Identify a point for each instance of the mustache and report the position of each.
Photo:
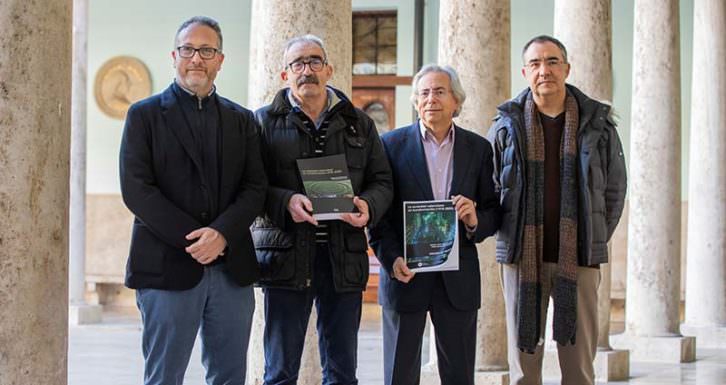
(308, 79)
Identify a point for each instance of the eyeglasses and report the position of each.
(316, 64)
(205, 53)
(536, 64)
(436, 93)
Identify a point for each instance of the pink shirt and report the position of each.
(439, 160)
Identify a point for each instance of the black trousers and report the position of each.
(455, 332)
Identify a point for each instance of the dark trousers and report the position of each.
(455, 332)
(286, 318)
(217, 309)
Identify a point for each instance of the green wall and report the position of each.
(146, 29)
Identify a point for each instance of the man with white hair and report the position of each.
(434, 159)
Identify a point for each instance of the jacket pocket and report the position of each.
(147, 251)
(355, 152)
(355, 264)
(275, 253)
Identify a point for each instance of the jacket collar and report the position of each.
(417, 159)
(281, 104)
(588, 107)
(173, 115)
(462, 159)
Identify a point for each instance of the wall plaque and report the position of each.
(120, 82)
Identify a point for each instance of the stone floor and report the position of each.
(109, 354)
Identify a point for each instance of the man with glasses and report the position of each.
(305, 261)
(434, 159)
(560, 172)
(192, 175)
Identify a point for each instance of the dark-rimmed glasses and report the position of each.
(316, 65)
(205, 53)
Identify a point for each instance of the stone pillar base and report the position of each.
(612, 365)
(676, 349)
(609, 365)
(430, 376)
(707, 336)
(84, 314)
(494, 377)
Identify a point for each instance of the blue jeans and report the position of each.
(171, 320)
(286, 318)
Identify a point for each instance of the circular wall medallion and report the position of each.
(121, 81)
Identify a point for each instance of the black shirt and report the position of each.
(202, 117)
(552, 130)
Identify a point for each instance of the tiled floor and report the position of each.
(110, 354)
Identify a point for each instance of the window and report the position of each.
(374, 43)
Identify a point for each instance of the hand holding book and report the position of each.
(401, 271)
(465, 210)
(300, 208)
(359, 219)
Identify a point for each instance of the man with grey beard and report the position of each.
(191, 174)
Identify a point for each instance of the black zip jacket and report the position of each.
(285, 249)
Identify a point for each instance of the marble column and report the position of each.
(584, 27)
(653, 283)
(35, 106)
(273, 23)
(474, 38)
(80, 312)
(706, 262)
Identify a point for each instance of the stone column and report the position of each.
(35, 105)
(273, 23)
(584, 27)
(474, 38)
(705, 279)
(653, 288)
(79, 312)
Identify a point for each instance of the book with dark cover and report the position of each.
(431, 236)
(327, 185)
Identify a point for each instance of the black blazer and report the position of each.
(163, 185)
(473, 179)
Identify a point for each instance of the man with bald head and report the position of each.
(304, 260)
(192, 176)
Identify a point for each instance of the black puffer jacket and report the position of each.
(286, 249)
(601, 177)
